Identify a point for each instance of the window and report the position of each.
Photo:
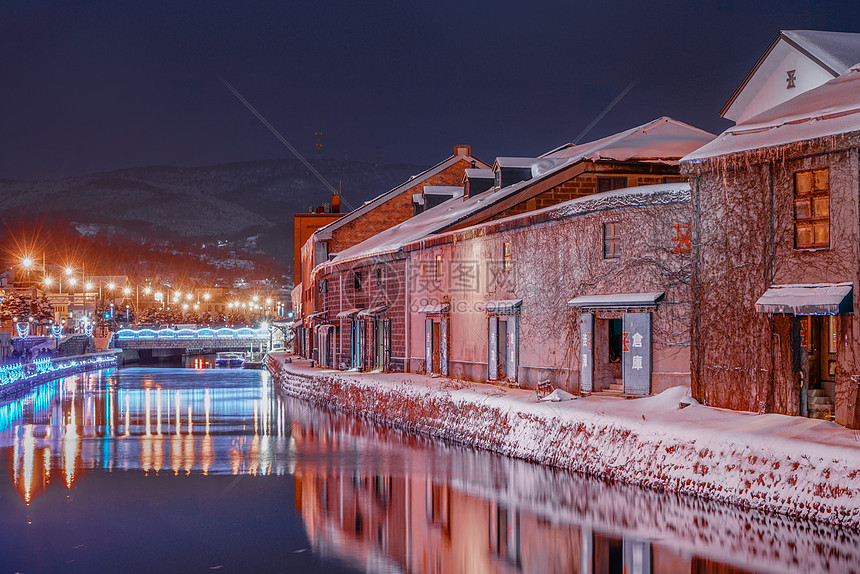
(438, 268)
(610, 183)
(611, 240)
(379, 277)
(812, 209)
(356, 280)
(506, 256)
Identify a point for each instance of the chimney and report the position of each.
(462, 150)
(335, 203)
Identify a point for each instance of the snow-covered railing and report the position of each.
(16, 372)
(192, 334)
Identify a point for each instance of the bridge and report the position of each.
(172, 342)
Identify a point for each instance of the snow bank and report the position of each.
(798, 467)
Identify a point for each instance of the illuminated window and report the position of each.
(438, 268)
(506, 256)
(812, 209)
(611, 240)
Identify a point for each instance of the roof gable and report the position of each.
(795, 62)
(830, 109)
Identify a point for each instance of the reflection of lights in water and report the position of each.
(206, 453)
(16, 464)
(70, 450)
(254, 456)
(175, 453)
(46, 460)
(79, 418)
(127, 416)
(29, 455)
(188, 448)
(206, 405)
(235, 460)
(146, 393)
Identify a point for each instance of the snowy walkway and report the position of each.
(795, 466)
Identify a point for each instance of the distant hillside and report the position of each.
(227, 201)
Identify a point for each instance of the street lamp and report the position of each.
(87, 288)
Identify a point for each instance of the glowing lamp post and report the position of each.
(27, 263)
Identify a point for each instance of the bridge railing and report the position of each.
(223, 333)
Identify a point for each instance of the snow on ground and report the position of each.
(795, 466)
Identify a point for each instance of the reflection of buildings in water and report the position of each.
(91, 421)
(483, 513)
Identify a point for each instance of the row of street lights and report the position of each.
(187, 299)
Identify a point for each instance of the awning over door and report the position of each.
(503, 307)
(372, 311)
(617, 301)
(315, 317)
(347, 314)
(815, 299)
(296, 324)
(441, 309)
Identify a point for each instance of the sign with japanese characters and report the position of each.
(511, 348)
(443, 343)
(493, 350)
(636, 353)
(586, 352)
(428, 346)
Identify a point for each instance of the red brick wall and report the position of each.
(396, 210)
(304, 224)
(579, 186)
(390, 291)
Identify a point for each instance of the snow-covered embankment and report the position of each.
(800, 467)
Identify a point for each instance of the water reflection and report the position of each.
(405, 505)
(378, 500)
(169, 420)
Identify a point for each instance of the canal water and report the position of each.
(152, 469)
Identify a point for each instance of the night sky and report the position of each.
(108, 85)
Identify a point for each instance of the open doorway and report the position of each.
(815, 364)
(608, 345)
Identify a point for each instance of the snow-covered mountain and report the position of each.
(227, 202)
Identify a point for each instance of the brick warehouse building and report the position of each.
(512, 299)
(365, 320)
(776, 258)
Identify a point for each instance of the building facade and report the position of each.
(776, 259)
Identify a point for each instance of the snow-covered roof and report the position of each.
(443, 216)
(663, 140)
(836, 51)
(480, 173)
(452, 190)
(830, 109)
(523, 162)
(816, 57)
(325, 232)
